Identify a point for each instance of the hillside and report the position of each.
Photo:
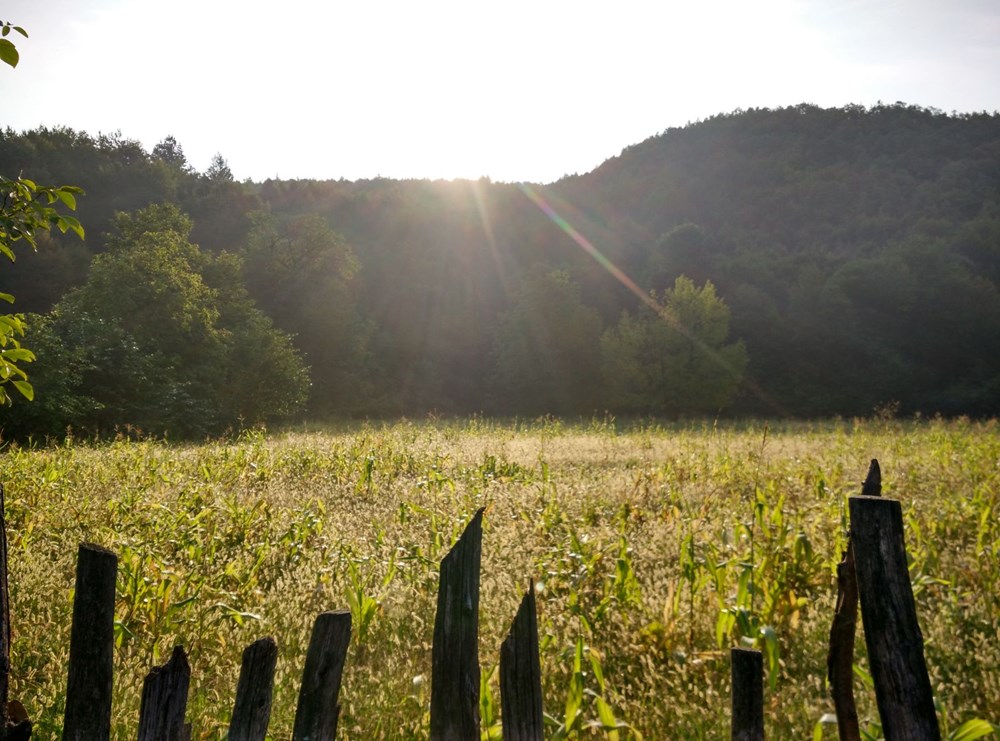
(857, 251)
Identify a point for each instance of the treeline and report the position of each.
(800, 261)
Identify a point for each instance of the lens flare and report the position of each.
(664, 312)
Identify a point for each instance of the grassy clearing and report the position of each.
(655, 549)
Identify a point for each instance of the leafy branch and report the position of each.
(8, 52)
(25, 209)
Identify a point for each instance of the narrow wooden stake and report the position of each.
(11, 728)
(748, 694)
(840, 659)
(521, 676)
(889, 614)
(455, 654)
(5, 617)
(318, 711)
(91, 647)
(254, 691)
(164, 700)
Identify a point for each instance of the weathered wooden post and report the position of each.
(748, 694)
(164, 700)
(840, 659)
(521, 676)
(889, 614)
(317, 713)
(254, 691)
(11, 728)
(455, 654)
(91, 649)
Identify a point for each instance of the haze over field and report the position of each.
(514, 91)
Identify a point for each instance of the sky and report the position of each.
(513, 90)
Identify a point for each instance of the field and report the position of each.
(653, 549)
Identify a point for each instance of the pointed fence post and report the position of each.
(889, 613)
(317, 714)
(455, 654)
(92, 645)
(254, 691)
(11, 728)
(164, 700)
(840, 659)
(748, 694)
(521, 676)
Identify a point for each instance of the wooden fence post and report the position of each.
(748, 694)
(889, 614)
(11, 728)
(840, 659)
(317, 714)
(455, 654)
(164, 700)
(91, 648)
(521, 676)
(254, 691)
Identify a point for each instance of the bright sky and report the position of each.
(515, 90)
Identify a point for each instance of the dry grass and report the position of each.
(638, 537)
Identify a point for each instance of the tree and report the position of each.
(219, 206)
(684, 250)
(171, 153)
(25, 209)
(163, 337)
(547, 349)
(219, 170)
(674, 360)
(301, 273)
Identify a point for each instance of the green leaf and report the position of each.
(606, 715)
(19, 354)
(865, 677)
(11, 324)
(972, 729)
(8, 53)
(772, 653)
(7, 297)
(66, 197)
(237, 616)
(574, 697)
(70, 223)
(28, 392)
(595, 664)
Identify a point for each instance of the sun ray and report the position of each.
(649, 299)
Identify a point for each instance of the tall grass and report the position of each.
(654, 549)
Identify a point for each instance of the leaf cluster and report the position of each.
(8, 51)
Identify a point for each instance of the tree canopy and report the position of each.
(672, 358)
(162, 338)
(850, 253)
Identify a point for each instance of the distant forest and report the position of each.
(796, 262)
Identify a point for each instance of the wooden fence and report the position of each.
(873, 573)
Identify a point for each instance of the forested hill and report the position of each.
(852, 254)
(859, 249)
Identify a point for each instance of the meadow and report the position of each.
(653, 549)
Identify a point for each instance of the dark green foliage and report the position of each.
(673, 360)
(303, 275)
(548, 350)
(162, 338)
(856, 248)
